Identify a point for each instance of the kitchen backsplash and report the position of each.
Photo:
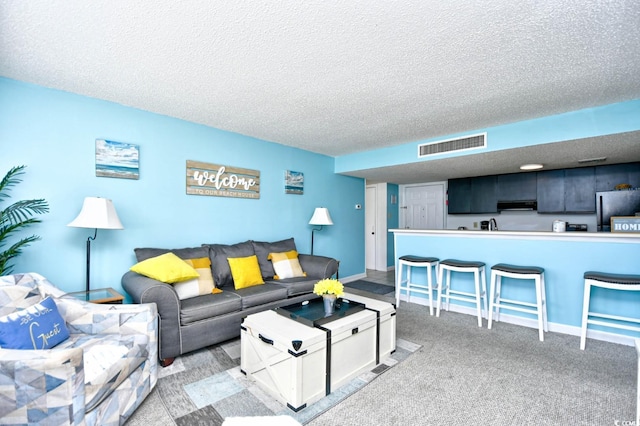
(521, 220)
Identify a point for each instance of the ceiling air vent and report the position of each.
(453, 145)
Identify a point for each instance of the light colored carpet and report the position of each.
(205, 387)
(463, 374)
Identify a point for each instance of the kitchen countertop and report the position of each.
(528, 235)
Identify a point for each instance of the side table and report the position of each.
(100, 295)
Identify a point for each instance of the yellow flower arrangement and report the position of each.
(328, 286)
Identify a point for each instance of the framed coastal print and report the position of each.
(117, 159)
(293, 182)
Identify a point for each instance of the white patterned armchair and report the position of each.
(97, 376)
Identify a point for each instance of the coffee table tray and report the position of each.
(311, 312)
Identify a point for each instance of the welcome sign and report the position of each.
(222, 181)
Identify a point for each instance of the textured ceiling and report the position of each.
(331, 77)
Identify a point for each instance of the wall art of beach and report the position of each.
(293, 182)
(117, 159)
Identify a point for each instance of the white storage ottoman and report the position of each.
(386, 314)
(286, 358)
(352, 347)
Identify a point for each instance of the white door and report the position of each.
(371, 202)
(423, 206)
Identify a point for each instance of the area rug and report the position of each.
(206, 386)
(371, 287)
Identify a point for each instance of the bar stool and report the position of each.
(411, 262)
(612, 282)
(480, 281)
(521, 273)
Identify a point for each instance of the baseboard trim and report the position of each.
(353, 278)
(532, 323)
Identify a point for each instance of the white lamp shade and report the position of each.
(321, 216)
(97, 213)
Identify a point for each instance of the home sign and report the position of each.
(630, 224)
(222, 181)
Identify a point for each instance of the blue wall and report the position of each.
(54, 134)
(591, 122)
(565, 260)
(393, 220)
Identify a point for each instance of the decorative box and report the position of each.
(286, 358)
(351, 347)
(386, 316)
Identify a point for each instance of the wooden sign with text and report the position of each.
(222, 181)
(629, 224)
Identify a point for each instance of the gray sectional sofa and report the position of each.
(194, 323)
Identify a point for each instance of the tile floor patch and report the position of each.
(212, 389)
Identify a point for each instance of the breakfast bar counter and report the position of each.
(565, 256)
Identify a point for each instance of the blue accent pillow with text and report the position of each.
(37, 327)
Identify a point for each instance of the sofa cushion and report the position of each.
(296, 286)
(183, 253)
(16, 297)
(261, 294)
(286, 265)
(245, 271)
(219, 253)
(167, 268)
(208, 306)
(262, 250)
(39, 326)
(108, 360)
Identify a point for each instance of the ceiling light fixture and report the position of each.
(531, 166)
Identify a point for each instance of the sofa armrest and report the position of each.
(27, 394)
(139, 321)
(318, 266)
(146, 290)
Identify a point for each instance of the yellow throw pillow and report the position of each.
(245, 271)
(167, 268)
(286, 265)
(197, 286)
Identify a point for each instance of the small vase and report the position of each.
(329, 300)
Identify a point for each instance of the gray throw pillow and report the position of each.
(262, 250)
(219, 253)
(183, 253)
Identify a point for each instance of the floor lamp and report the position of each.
(320, 217)
(97, 213)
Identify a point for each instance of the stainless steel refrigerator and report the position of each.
(616, 203)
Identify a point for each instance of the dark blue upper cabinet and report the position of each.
(517, 187)
(567, 191)
(472, 195)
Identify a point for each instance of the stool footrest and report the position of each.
(417, 289)
(612, 317)
(514, 302)
(469, 297)
(613, 325)
(517, 308)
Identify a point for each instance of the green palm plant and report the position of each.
(15, 217)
